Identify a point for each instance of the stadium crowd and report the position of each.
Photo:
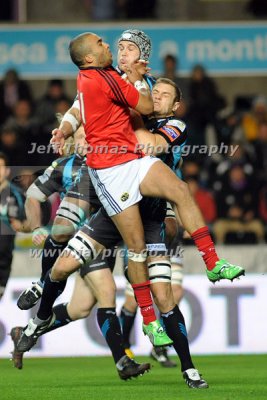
(226, 150)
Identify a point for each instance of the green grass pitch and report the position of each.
(95, 378)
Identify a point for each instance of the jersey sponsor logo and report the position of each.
(177, 123)
(124, 196)
(156, 247)
(171, 132)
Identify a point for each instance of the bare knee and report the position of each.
(62, 230)
(136, 244)
(61, 238)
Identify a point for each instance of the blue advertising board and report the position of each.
(224, 49)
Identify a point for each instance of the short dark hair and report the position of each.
(178, 93)
(78, 49)
(4, 157)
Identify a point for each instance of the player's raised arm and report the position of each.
(153, 144)
(135, 72)
(68, 125)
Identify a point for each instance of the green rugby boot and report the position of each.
(224, 270)
(157, 334)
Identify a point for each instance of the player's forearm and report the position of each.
(70, 122)
(33, 213)
(145, 104)
(24, 226)
(135, 73)
(153, 144)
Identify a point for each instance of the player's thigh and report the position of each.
(82, 300)
(71, 214)
(161, 181)
(80, 250)
(6, 257)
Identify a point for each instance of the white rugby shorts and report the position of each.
(118, 187)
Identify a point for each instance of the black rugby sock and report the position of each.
(52, 289)
(127, 319)
(176, 330)
(52, 249)
(111, 330)
(62, 317)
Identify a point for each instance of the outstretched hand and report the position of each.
(136, 70)
(57, 141)
(39, 235)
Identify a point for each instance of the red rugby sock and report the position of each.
(144, 301)
(205, 246)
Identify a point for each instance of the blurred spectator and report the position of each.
(263, 204)
(12, 89)
(258, 8)
(237, 206)
(204, 199)
(238, 154)
(260, 146)
(6, 10)
(102, 10)
(251, 120)
(25, 178)
(204, 103)
(139, 9)
(23, 120)
(46, 105)
(225, 126)
(62, 106)
(11, 206)
(190, 169)
(170, 71)
(12, 146)
(27, 128)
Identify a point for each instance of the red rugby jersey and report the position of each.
(105, 99)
